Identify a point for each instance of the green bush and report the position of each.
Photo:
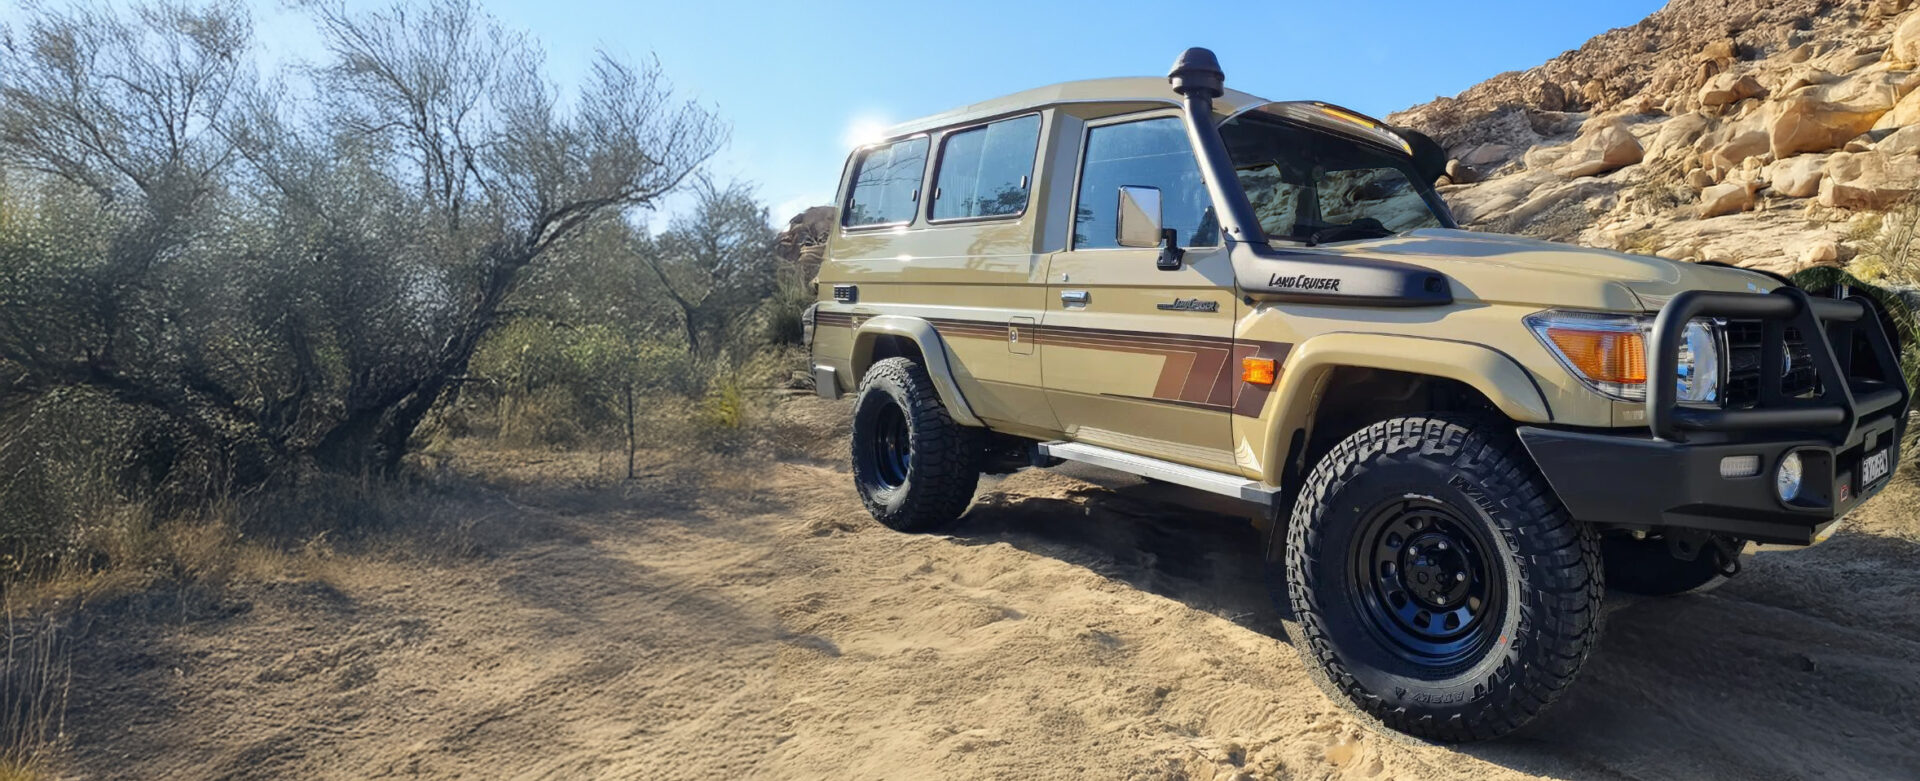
(783, 312)
(1895, 311)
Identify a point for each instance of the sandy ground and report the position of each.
(763, 626)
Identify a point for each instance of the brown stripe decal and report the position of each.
(1197, 371)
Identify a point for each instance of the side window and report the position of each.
(886, 184)
(1148, 153)
(985, 171)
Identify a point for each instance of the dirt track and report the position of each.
(764, 627)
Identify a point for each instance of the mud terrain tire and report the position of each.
(1435, 582)
(915, 468)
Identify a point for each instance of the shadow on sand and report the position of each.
(1802, 668)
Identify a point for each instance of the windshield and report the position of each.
(1316, 186)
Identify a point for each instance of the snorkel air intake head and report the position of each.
(1196, 73)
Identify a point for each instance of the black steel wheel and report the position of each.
(914, 467)
(1435, 584)
(892, 448)
(1426, 578)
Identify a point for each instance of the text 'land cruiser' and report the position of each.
(1449, 432)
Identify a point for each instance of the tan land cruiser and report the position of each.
(1451, 434)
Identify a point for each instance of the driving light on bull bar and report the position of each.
(1739, 466)
(1787, 478)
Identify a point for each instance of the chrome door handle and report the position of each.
(1075, 297)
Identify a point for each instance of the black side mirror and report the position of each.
(1171, 255)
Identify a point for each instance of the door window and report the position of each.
(1148, 153)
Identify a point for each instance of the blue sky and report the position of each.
(796, 79)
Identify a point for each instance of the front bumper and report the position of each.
(1670, 475)
(1640, 482)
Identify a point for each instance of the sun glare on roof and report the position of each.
(864, 130)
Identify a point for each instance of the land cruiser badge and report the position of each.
(1191, 305)
(1304, 282)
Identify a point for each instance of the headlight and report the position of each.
(1609, 353)
(1700, 363)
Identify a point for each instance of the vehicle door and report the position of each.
(1134, 356)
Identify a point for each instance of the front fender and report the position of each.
(933, 354)
(1494, 374)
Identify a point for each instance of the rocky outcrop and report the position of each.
(1869, 180)
(803, 243)
(1904, 50)
(1806, 124)
(1607, 147)
(1798, 177)
(1742, 131)
(1723, 199)
(1728, 89)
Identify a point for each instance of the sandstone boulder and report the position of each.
(1546, 96)
(1699, 179)
(1719, 52)
(1724, 199)
(1904, 113)
(1727, 89)
(1871, 180)
(1487, 156)
(1819, 252)
(1904, 52)
(1804, 124)
(1608, 147)
(1542, 157)
(1907, 85)
(1797, 177)
(1737, 149)
(1594, 94)
(1905, 141)
(1869, 90)
(1461, 174)
(1676, 136)
(1801, 78)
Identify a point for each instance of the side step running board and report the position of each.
(1165, 471)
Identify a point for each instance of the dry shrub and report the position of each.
(1886, 244)
(35, 677)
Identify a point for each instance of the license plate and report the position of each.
(1875, 467)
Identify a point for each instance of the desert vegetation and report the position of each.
(272, 339)
(240, 303)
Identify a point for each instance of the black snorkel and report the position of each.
(1197, 79)
(1265, 272)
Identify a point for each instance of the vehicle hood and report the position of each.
(1492, 266)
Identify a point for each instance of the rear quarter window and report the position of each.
(886, 184)
(986, 171)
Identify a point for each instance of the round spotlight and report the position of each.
(1787, 478)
